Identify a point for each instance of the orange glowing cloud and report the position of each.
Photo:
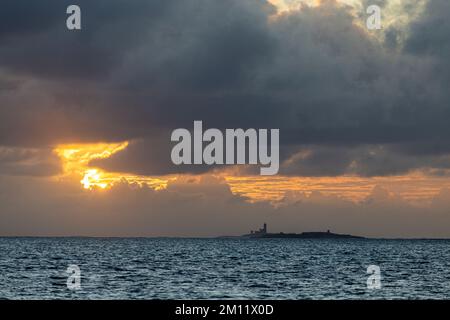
(76, 160)
(415, 187)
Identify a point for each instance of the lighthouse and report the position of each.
(262, 230)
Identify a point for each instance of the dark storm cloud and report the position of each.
(430, 34)
(21, 17)
(35, 39)
(430, 37)
(148, 156)
(365, 160)
(28, 162)
(133, 68)
(139, 69)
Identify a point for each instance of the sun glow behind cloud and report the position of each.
(397, 14)
(415, 188)
(292, 5)
(76, 160)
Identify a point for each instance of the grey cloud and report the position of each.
(149, 156)
(142, 68)
(28, 162)
(363, 160)
(430, 34)
(37, 42)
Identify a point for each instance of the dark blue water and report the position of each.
(35, 268)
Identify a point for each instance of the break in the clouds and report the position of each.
(346, 99)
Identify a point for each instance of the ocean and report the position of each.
(175, 268)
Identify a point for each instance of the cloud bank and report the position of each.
(138, 70)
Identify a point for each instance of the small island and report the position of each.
(262, 233)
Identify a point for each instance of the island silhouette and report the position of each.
(262, 233)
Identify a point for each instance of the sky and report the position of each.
(86, 116)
